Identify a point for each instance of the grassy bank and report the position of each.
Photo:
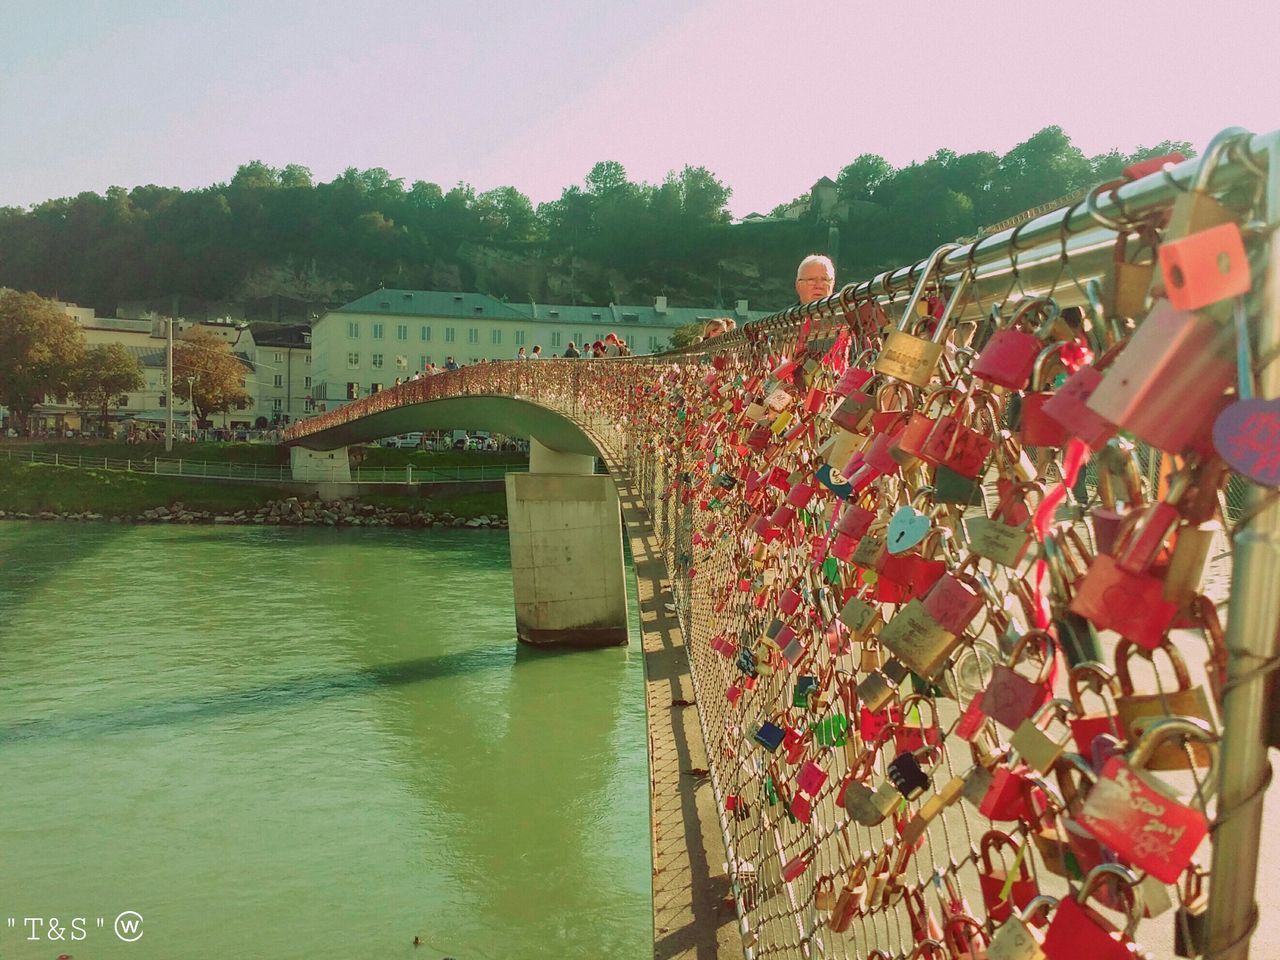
(260, 453)
(32, 488)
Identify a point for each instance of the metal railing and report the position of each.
(262, 472)
(673, 422)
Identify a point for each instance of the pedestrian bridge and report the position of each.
(770, 482)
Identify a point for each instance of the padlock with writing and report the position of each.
(919, 641)
(1150, 829)
(1010, 697)
(1001, 537)
(908, 357)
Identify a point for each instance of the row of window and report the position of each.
(279, 357)
(473, 335)
(278, 381)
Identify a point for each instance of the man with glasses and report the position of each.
(815, 278)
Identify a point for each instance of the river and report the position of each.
(287, 743)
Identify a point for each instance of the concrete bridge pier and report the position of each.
(566, 552)
(319, 466)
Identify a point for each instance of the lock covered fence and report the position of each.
(975, 561)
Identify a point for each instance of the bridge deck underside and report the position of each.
(511, 416)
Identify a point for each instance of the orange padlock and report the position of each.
(1205, 267)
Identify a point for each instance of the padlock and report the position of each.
(804, 691)
(951, 488)
(1187, 560)
(850, 901)
(956, 598)
(879, 687)
(1169, 383)
(1077, 930)
(931, 809)
(966, 938)
(1196, 209)
(1117, 467)
(769, 735)
(919, 425)
(1001, 893)
(1015, 939)
(1011, 698)
(907, 357)
(1035, 428)
(1033, 744)
(1010, 354)
(956, 443)
(1007, 797)
(999, 537)
(1085, 727)
(1069, 405)
(1151, 528)
(907, 775)
(868, 806)
(912, 732)
(1124, 289)
(1205, 268)
(1137, 711)
(1133, 605)
(1148, 828)
(920, 642)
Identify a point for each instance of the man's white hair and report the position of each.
(817, 258)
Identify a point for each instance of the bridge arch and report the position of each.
(564, 521)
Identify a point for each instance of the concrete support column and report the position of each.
(319, 466)
(566, 554)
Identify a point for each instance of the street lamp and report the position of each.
(191, 398)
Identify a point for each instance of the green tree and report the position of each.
(858, 181)
(105, 374)
(40, 350)
(686, 335)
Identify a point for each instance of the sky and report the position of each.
(768, 95)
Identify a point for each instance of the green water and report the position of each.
(307, 743)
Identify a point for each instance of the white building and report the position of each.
(365, 345)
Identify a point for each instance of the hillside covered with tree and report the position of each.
(275, 236)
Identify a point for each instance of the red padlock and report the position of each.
(1133, 605)
(1008, 797)
(1086, 727)
(1077, 930)
(994, 880)
(912, 735)
(1035, 427)
(955, 599)
(1010, 354)
(1170, 382)
(1206, 267)
(1010, 697)
(1146, 827)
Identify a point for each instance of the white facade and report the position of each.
(367, 344)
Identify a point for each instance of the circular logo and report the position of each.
(128, 926)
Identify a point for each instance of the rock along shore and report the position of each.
(291, 512)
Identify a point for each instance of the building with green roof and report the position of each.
(365, 345)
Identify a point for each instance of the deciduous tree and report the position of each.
(218, 373)
(40, 350)
(107, 372)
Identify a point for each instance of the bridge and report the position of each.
(853, 532)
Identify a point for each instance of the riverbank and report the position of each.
(45, 492)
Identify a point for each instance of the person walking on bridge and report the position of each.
(571, 352)
(537, 352)
(815, 278)
(520, 354)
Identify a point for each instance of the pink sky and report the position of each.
(768, 95)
